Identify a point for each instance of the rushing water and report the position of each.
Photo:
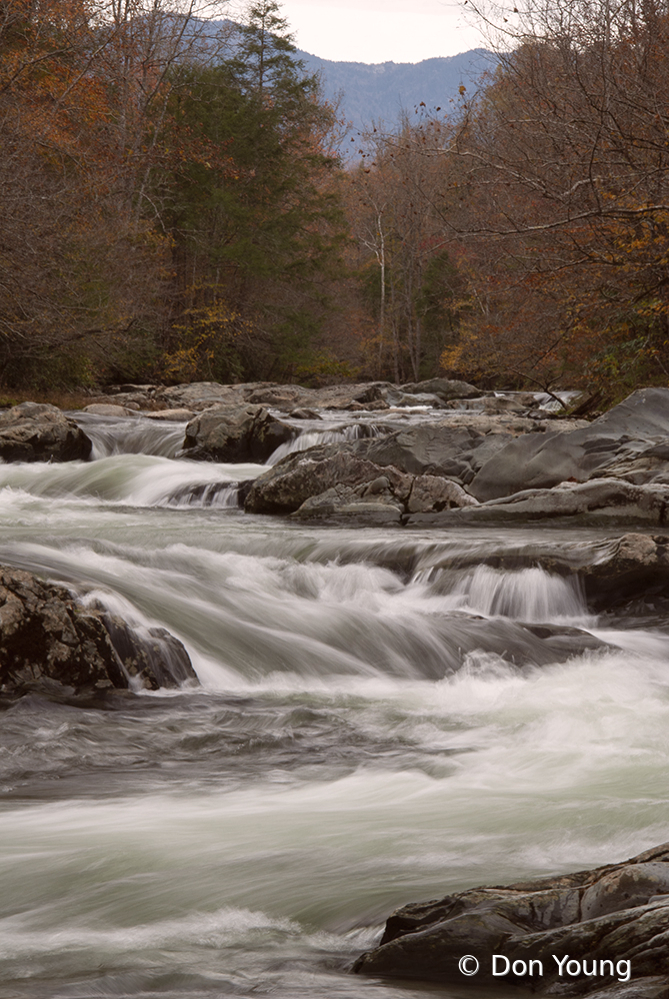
(373, 727)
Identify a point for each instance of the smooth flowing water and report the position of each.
(372, 728)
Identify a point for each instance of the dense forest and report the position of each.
(173, 206)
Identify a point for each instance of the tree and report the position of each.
(257, 229)
(82, 101)
(566, 151)
(410, 278)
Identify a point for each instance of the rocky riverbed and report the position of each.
(276, 662)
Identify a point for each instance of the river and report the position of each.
(371, 729)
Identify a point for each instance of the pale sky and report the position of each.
(380, 30)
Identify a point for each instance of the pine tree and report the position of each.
(262, 230)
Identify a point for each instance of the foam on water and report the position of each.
(311, 438)
(532, 595)
(113, 435)
(133, 480)
(375, 727)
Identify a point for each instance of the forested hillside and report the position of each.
(380, 92)
(173, 207)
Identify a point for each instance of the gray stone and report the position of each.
(605, 500)
(335, 478)
(346, 502)
(40, 432)
(108, 409)
(248, 433)
(50, 642)
(178, 415)
(617, 913)
(445, 388)
(638, 426)
(304, 475)
(430, 492)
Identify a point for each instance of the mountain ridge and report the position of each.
(379, 92)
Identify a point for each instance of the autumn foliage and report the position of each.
(173, 206)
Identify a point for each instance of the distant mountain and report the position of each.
(380, 92)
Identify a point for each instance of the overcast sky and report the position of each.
(380, 30)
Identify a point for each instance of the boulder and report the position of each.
(40, 432)
(301, 476)
(50, 642)
(445, 388)
(434, 449)
(108, 409)
(600, 500)
(431, 492)
(631, 441)
(354, 501)
(336, 479)
(634, 567)
(151, 657)
(248, 433)
(612, 919)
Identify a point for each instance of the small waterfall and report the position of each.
(311, 438)
(129, 480)
(223, 495)
(113, 435)
(530, 595)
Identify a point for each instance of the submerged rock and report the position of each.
(40, 432)
(50, 642)
(612, 919)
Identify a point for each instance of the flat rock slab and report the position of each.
(593, 933)
(605, 501)
(178, 415)
(108, 409)
(39, 432)
(637, 427)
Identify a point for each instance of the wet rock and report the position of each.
(633, 567)
(151, 657)
(248, 433)
(40, 432)
(301, 476)
(445, 388)
(304, 414)
(108, 409)
(178, 415)
(600, 500)
(617, 914)
(628, 442)
(343, 501)
(50, 642)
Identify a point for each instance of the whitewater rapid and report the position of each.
(375, 725)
